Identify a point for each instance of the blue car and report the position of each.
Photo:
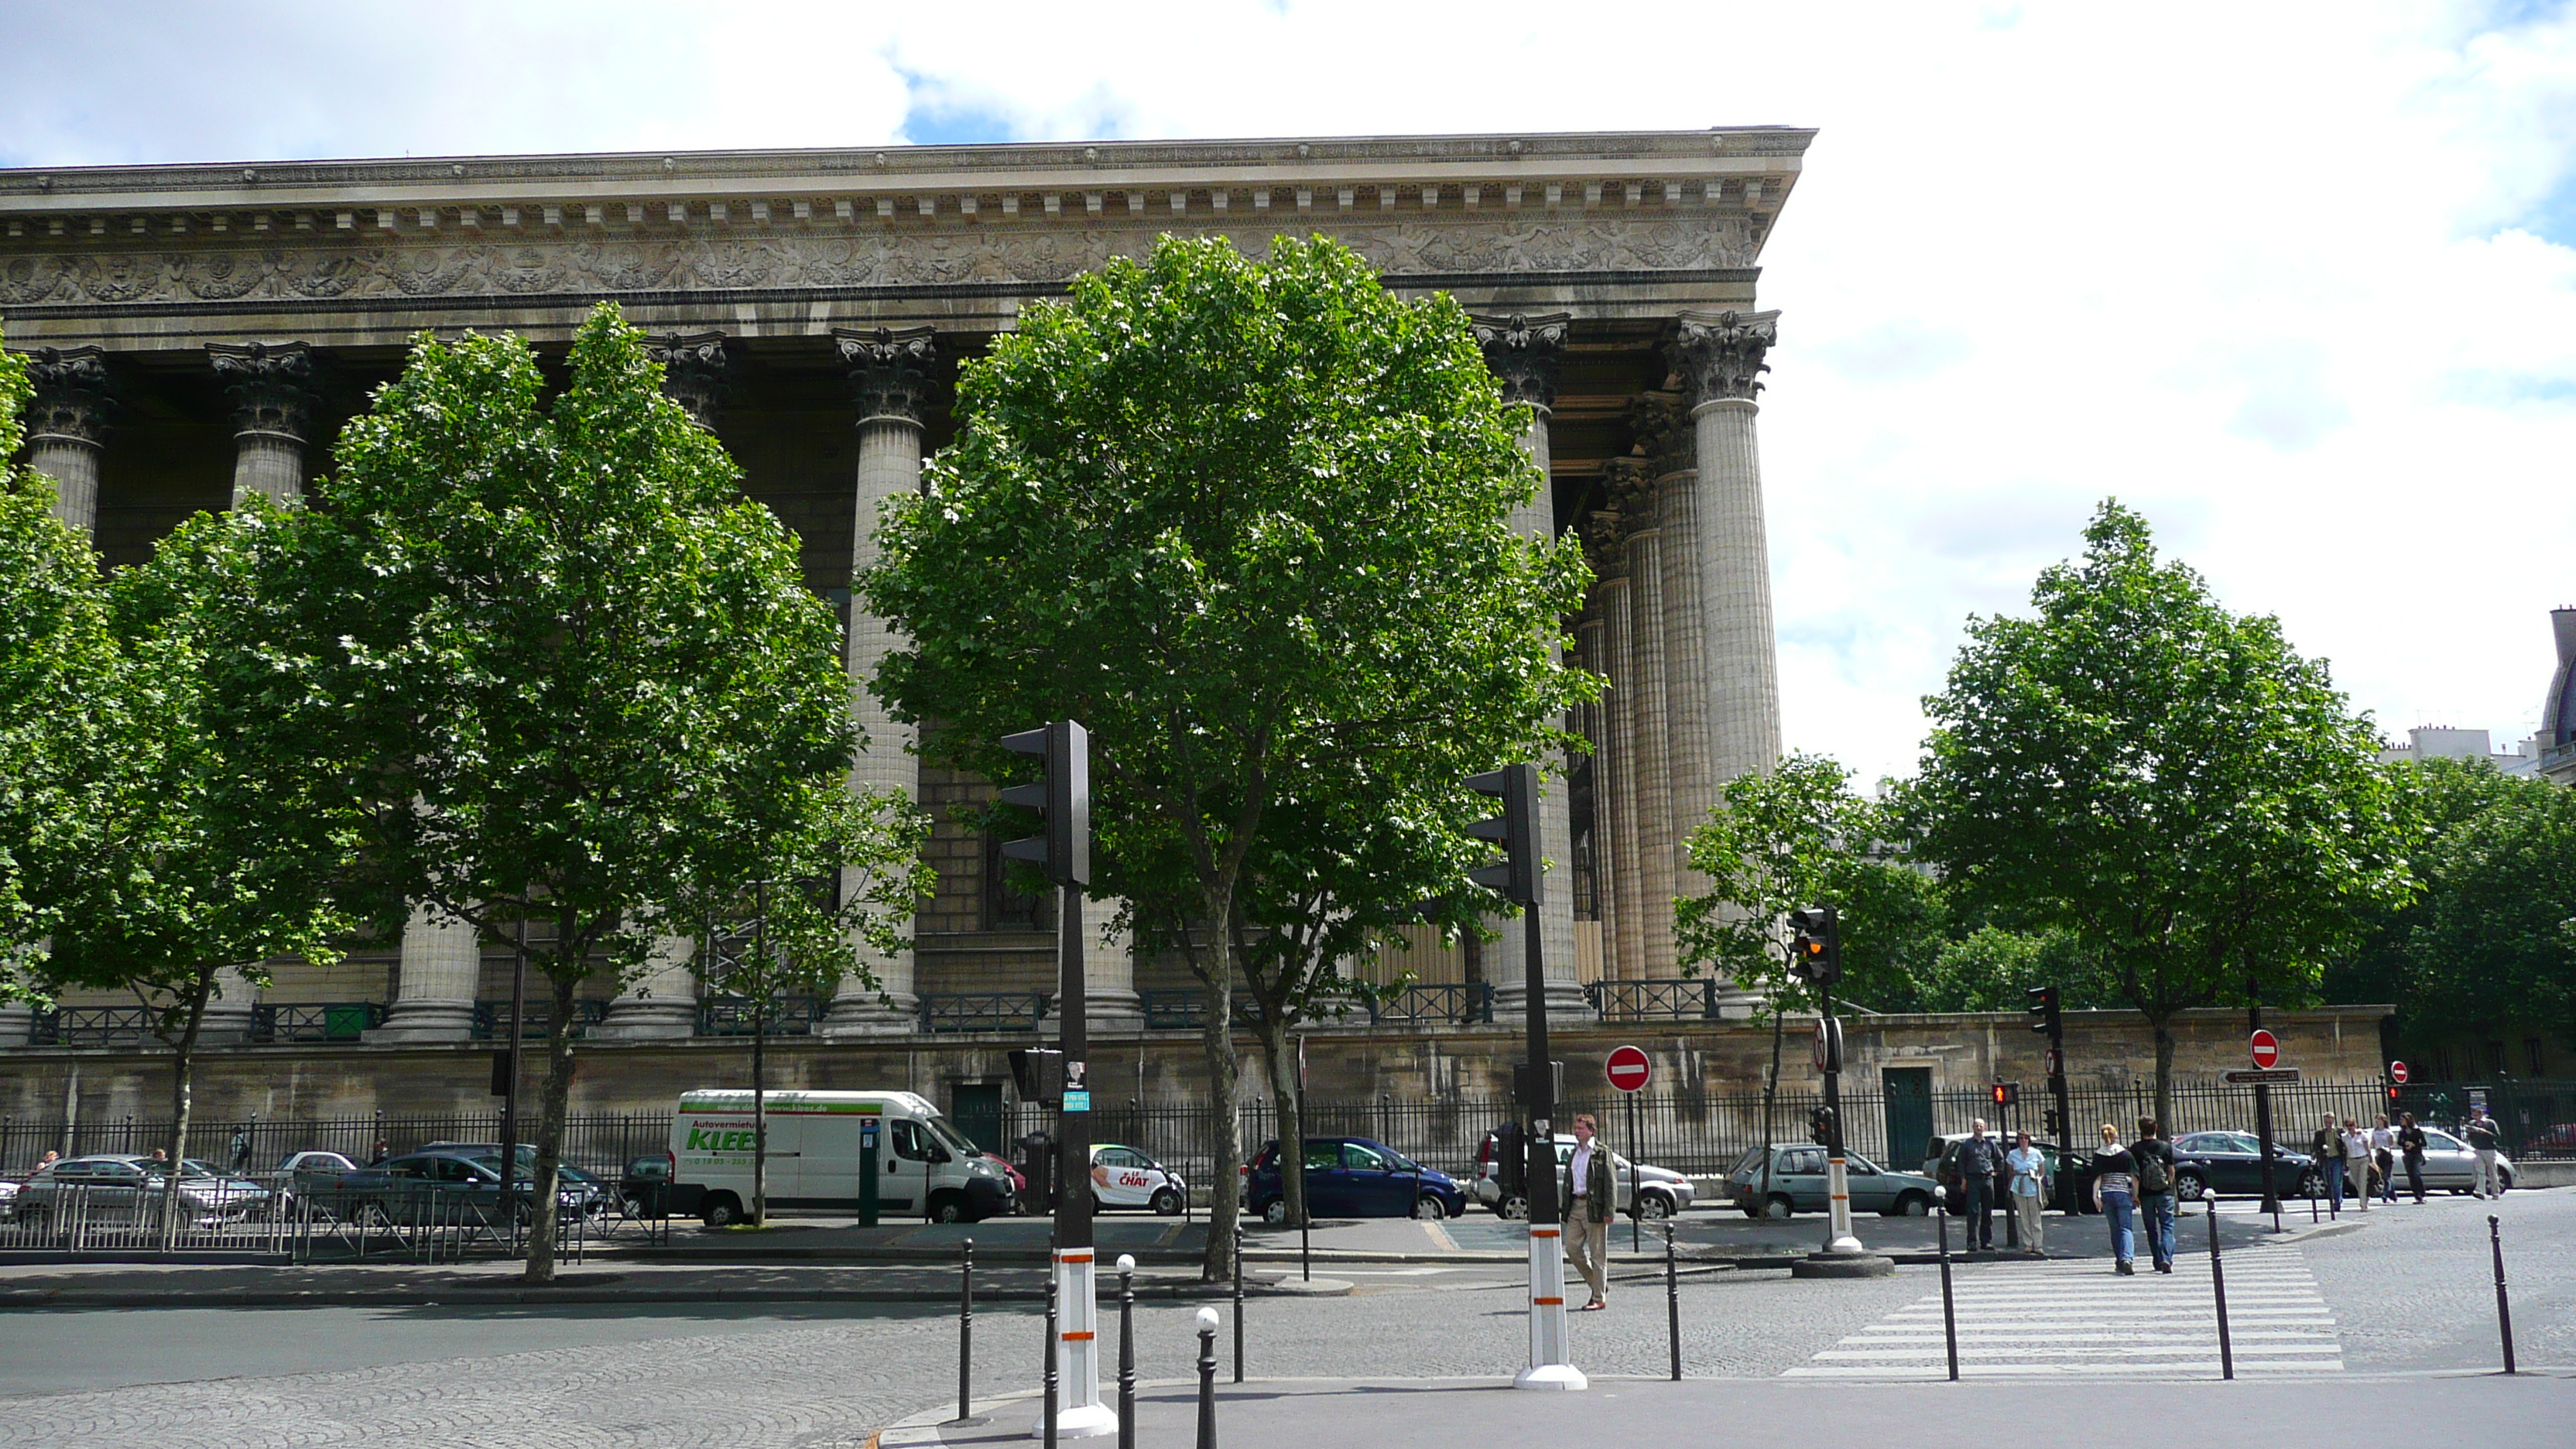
(1353, 1177)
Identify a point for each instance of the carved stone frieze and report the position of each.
(410, 265)
(1525, 353)
(73, 399)
(893, 373)
(270, 383)
(693, 372)
(1720, 356)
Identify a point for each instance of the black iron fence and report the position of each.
(737, 1015)
(1692, 1000)
(491, 1018)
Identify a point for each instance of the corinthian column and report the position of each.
(442, 968)
(891, 373)
(66, 422)
(1650, 735)
(271, 385)
(1524, 353)
(1664, 438)
(694, 369)
(1720, 358)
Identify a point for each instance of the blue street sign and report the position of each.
(1077, 1101)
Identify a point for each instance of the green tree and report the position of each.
(230, 843)
(596, 693)
(2166, 781)
(1249, 522)
(2494, 940)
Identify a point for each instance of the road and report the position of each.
(2407, 1291)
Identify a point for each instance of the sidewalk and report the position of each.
(1301, 1413)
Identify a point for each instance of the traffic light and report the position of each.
(2043, 1012)
(1039, 1074)
(1515, 876)
(1815, 946)
(2007, 1094)
(2056, 1123)
(1063, 798)
(1820, 1126)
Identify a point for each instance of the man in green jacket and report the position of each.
(1595, 1197)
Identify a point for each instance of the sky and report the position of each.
(2296, 281)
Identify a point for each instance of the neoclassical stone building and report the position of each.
(201, 332)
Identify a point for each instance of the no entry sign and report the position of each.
(2397, 1072)
(1628, 1069)
(2267, 1050)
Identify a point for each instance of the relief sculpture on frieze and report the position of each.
(414, 266)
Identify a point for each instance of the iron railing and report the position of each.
(489, 1017)
(93, 1026)
(1464, 1003)
(997, 1011)
(1688, 1000)
(323, 1022)
(784, 1016)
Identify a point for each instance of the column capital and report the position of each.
(1524, 353)
(73, 398)
(1661, 426)
(270, 383)
(1719, 356)
(694, 372)
(891, 370)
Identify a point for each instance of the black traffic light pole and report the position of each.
(2053, 1023)
(1065, 851)
(1517, 878)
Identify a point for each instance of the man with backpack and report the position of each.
(2155, 1159)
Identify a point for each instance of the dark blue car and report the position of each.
(1353, 1177)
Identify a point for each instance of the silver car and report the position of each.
(119, 1185)
(2451, 1164)
(1662, 1191)
(1798, 1185)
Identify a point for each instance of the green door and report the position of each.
(1907, 1092)
(976, 1108)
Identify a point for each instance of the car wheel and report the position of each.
(1428, 1208)
(1782, 1207)
(1275, 1212)
(947, 1207)
(1513, 1209)
(2191, 1187)
(1654, 1207)
(1913, 1205)
(720, 1211)
(1167, 1203)
(2311, 1185)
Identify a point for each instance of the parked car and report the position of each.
(300, 1175)
(457, 1177)
(120, 1183)
(1124, 1177)
(1019, 1184)
(1353, 1177)
(1799, 1184)
(2220, 1164)
(645, 1184)
(1656, 1192)
(2452, 1164)
(8, 1199)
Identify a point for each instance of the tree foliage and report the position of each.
(2168, 783)
(1248, 521)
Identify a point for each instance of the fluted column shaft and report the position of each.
(1109, 1000)
(1651, 718)
(66, 423)
(663, 1002)
(891, 372)
(1735, 593)
(271, 387)
(1622, 886)
(1688, 792)
(442, 968)
(1591, 646)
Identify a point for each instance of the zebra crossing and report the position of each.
(2075, 1319)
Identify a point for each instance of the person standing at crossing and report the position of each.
(2029, 1189)
(2356, 1156)
(2155, 1160)
(2481, 1132)
(2411, 1143)
(1980, 1159)
(2115, 1195)
(1595, 1198)
(2327, 1148)
(2383, 1160)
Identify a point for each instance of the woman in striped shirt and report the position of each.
(2115, 1194)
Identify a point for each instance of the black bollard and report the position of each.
(1052, 1291)
(1207, 1378)
(2504, 1309)
(1672, 1302)
(966, 1336)
(1949, 1315)
(1126, 1352)
(2218, 1286)
(1238, 1303)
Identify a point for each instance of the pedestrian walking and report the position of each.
(2155, 1159)
(384, 1152)
(2029, 1188)
(2383, 1160)
(1595, 1197)
(2115, 1194)
(2410, 1146)
(49, 1159)
(2356, 1156)
(1980, 1159)
(240, 1151)
(2327, 1148)
(2481, 1132)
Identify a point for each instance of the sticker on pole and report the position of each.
(2266, 1050)
(1076, 1100)
(1628, 1069)
(2397, 1073)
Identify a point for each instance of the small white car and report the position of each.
(1123, 1177)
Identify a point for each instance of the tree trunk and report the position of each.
(1278, 1055)
(542, 1215)
(1770, 1097)
(1225, 1192)
(183, 1096)
(2164, 1073)
(759, 1113)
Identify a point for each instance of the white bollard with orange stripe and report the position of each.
(1551, 1357)
(1077, 1350)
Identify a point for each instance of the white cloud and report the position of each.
(2289, 278)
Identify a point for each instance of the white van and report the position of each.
(925, 1165)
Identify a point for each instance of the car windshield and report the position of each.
(195, 1167)
(2443, 1142)
(949, 1137)
(1751, 1161)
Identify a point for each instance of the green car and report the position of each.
(1798, 1185)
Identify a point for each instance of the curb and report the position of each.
(28, 1300)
